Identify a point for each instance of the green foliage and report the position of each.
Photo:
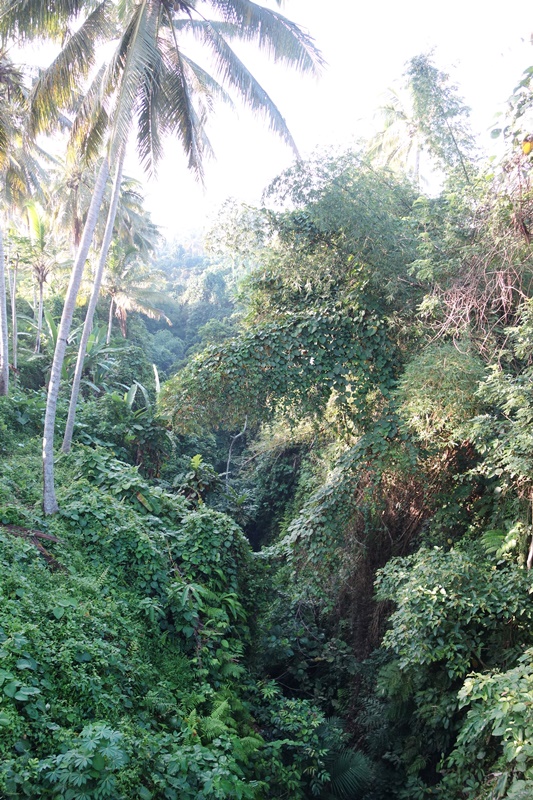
(437, 392)
(354, 218)
(454, 609)
(350, 775)
(132, 433)
(441, 116)
(132, 365)
(110, 668)
(380, 355)
(286, 365)
(123, 481)
(198, 481)
(21, 415)
(87, 771)
(213, 549)
(314, 540)
(296, 647)
(241, 506)
(320, 306)
(503, 436)
(166, 349)
(100, 362)
(299, 742)
(516, 122)
(496, 733)
(277, 471)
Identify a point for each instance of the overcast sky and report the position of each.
(365, 45)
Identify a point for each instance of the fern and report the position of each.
(211, 728)
(231, 670)
(502, 543)
(221, 711)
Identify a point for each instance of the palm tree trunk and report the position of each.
(49, 496)
(110, 320)
(39, 318)
(14, 325)
(4, 337)
(88, 324)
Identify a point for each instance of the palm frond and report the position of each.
(37, 225)
(125, 303)
(149, 103)
(184, 121)
(23, 176)
(58, 86)
(11, 81)
(149, 78)
(25, 20)
(12, 106)
(91, 121)
(233, 73)
(204, 83)
(135, 56)
(351, 773)
(180, 114)
(281, 39)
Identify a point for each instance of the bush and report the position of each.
(437, 392)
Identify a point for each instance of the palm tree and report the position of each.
(21, 175)
(49, 498)
(43, 258)
(73, 188)
(4, 335)
(12, 274)
(133, 224)
(130, 286)
(399, 142)
(88, 324)
(427, 117)
(10, 83)
(137, 235)
(149, 79)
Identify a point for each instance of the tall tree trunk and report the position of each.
(110, 320)
(49, 496)
(4, 348)
(76, 222)
(88, 324)
(39, 318)
(34, 304)
(14, 324)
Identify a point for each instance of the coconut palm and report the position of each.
(21, 175)
(10, 84)
(151, 80)
(131, 286)
(133, 223)
(399, 142)
(138, 235)
(426, 118)
(88, 324)
(73, 188)
(12, 274)
(43, 257)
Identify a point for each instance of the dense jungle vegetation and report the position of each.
(293, 546)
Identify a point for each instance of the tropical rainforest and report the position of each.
(285, 539)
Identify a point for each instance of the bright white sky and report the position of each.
(485, 47)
